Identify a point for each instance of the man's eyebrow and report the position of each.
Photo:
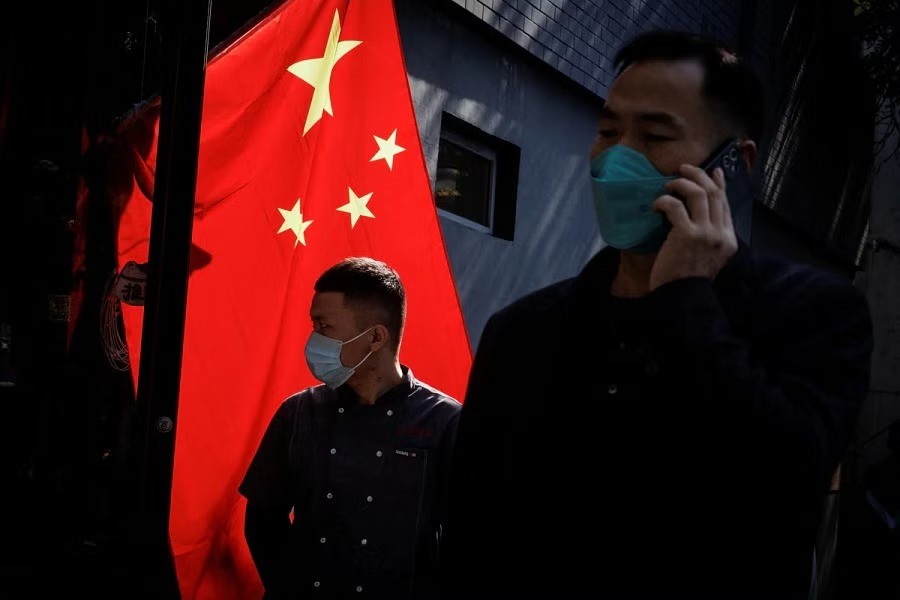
(654, 117)
(660, 118)
(608, 113)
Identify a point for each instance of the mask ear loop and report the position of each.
(363, 360)
(355, 338)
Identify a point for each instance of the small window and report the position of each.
(477, 178)
(464, 186)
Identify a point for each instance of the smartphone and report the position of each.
(738, 185)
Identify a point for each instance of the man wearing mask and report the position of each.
(346, 493)
(665, 424)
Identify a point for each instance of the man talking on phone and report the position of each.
(666, 423)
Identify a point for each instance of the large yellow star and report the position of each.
(317, 72)
(293, 221)
(387, 149)
(357, 207)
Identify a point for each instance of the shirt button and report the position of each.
(334, 450)
(611, 390)
(321, 540)
(390, 413)
(341, 410)
(359, 588)
(329, 495)
(369, 498)
(378, 454)
(364, 542)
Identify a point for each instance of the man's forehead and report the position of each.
(327, 303)
(690, 69)
(649, 78)
(661, 117)
(657, 86)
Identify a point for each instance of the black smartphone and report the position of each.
(738, 185)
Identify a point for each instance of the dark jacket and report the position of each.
(367, 487)
(677, 445)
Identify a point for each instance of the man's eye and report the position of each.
(608, 133)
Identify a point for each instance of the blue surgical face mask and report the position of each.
(323, 356)
(624, 184)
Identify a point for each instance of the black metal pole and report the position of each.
(185, 30)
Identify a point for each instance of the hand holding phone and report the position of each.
(738, 185)
(701, 240)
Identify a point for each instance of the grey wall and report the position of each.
(455, 69)
(580, 37)
(470, 64)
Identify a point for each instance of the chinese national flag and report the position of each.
(309, 153)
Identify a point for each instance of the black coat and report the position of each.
(367, 487)
(677, 445)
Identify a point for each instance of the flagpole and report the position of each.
(185, 40)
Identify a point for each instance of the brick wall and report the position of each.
(580, 37)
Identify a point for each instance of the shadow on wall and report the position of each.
(555, 231)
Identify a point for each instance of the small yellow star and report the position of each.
(387, 149)
(293, 221)
(356, 207)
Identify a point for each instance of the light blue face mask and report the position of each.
(625, 184)
(323, 356)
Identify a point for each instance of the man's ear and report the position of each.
(748, 153)
(380, 338)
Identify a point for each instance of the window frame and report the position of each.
(504, 158)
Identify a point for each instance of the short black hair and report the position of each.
(731, 85)
(368, 284)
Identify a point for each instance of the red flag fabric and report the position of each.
(309, 153)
